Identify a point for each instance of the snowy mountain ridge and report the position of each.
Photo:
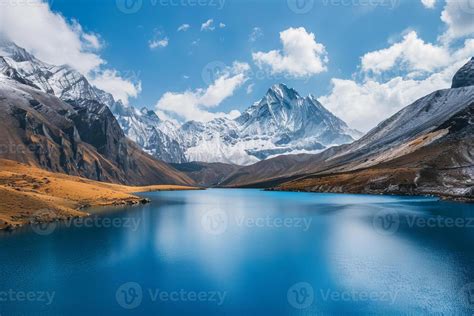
(282, 122)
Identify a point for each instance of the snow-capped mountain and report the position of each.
(292, 123)
(282, 122)
(425, 148)
(464, 77)
(145, 128)
(61, 81)
(58, 121)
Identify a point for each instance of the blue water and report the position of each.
(247, 252)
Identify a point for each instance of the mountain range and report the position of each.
(55, 119)
(426, 148)
(282, 122)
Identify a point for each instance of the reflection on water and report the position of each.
(238, 252)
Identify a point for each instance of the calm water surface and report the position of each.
(247, 252)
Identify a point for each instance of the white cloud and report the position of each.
(222, 25)
(250, 88)
(92, 40)
(55, 40)
(256, 34)
(195, 104)
(411, 53)
(183, 27)
(112, 82)
(458, 15)
(49, 36)
(365, 103)
(430, 4)
(153, 44)
(301, 55)
(208, 25)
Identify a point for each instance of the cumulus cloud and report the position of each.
(430, 4)
(301, 55)
(195, 104)
(458, 15)
(183, 27)
(49, 36)
(222, 25)
(366, 102)
(208, 25)
(54, 39)
(411, 53)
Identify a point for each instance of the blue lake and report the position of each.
(246, 252)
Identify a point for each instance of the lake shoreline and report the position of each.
(31, 195)
(442, 197)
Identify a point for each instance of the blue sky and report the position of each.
(346, 29)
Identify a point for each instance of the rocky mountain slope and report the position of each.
(282, 122)
(54, 119)
(145, 128)
(424, 148)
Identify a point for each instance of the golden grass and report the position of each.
(27, 191)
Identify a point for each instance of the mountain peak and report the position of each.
(281, 90)
(15, 52)
(465, 76)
